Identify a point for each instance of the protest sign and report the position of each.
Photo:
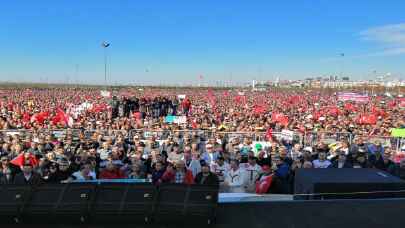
(398, 132)
(170, 119)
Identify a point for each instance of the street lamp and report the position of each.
(105, 45)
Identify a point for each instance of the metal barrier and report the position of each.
(305, 139)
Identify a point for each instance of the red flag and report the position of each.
(269, 134)
(259, 109)
(334, 111)
(21, 159)
(367, 119)
(392, 104)
(280, 118)
(263, 185)
(26, 117)
(350, 107)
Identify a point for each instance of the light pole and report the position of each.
(105, 45)
(341, 64)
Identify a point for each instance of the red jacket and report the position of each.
(115, 174)
(170, 177)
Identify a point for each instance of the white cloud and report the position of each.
(390, 37)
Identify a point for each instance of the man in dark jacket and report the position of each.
(28, 176)
(59, 172)
(206, 177)
(7, 171)
(341, 162)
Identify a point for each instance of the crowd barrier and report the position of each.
(89, 203)
(305, 139)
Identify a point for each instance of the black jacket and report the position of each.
(58, 176)
(5, 180)
(211, 179)
(335, 165)
(35, 179)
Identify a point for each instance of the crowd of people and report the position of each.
(62, 135)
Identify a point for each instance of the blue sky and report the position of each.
(175, 41)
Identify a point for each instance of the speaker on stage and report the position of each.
(75, 203)
(202, 203)
(171, 203)
(42, 203)
(124, 202)
(12, 201)
(186, 204)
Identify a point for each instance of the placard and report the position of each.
(398, 132)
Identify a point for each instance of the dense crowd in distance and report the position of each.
(193, 136)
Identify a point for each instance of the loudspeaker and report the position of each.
(124, 202)
(171, 203)
(42, 202)
(75, 202)
(202, 203)
(12, 201)
(186, 204)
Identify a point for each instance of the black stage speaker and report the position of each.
(42, 202)
(59, 202)
(75, 203)
(12, 201)
(202, 203)
(186, 204)
(346, 184)
(124, 202)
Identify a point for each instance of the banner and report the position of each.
(180, 119)
(181, 96)
(169, 119)
(398, 132)
(287, 135)
(176, 119)
(105, 93)
(353, 97)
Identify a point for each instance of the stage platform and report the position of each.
(248, 197)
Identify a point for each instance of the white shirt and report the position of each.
(235, 180)
(221, 171)
(79, 176)
(252, 173)
(321, 164)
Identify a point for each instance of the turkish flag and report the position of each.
(259, 109)
(334, 111)
(269, 134)
(350, 107)
(263, 185)
(367, 119)
(20, 160)
(280, 118)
